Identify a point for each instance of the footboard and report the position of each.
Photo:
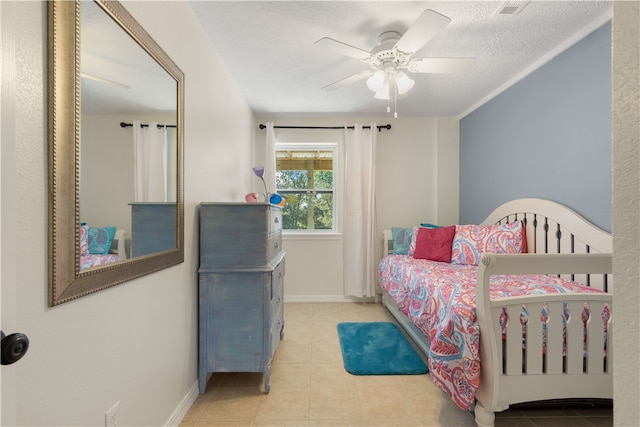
(539, 347)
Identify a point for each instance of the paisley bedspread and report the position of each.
(89, 261)
(439, 298)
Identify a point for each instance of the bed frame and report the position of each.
(559, 242)
(118, 245)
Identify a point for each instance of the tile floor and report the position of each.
(309, 386)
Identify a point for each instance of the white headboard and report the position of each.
(553, 228)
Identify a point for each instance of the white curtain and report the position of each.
(171, 164)
(150, 162)
(360, 243)
(270, 158)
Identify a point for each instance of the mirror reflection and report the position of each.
(115, 150)
(128, 151)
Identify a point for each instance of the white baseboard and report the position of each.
(184, 406)
(328, 298)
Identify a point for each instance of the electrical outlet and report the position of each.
(111, 416)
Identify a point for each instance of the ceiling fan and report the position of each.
(393, 54)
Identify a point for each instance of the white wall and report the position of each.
(417, 181)
(135, 343)
(448, 171)
(626, 212)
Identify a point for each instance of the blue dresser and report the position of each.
(153, 227)
(241, 288)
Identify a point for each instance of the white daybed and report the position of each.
(562, 244)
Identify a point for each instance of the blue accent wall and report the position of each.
(547, 136)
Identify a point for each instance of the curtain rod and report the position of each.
(380, 127)
(144, 125)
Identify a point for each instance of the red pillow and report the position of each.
(434, 243)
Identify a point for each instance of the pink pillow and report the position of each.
(470, 241)
(412, 244)
(434, 243)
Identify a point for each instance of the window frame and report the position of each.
(307, 146)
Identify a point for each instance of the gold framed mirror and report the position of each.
(87, 66)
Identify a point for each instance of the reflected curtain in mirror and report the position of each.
(154, 145)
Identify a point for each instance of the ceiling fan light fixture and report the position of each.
(404, 83)
(384, 93)
(376, 82)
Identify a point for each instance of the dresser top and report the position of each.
(238, 204)
(152, 203)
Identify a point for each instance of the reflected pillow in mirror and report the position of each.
(100, 239)
(84, 239)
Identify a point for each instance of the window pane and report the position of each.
(288, 179)
(306, 174)
(309, 211)
(323, 179)
(291, 179)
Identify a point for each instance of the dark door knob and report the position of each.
(14, 347)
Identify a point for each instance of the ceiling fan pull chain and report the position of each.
(395, 101)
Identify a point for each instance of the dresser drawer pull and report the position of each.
(276, 220)
(275, 245)
(280, 275)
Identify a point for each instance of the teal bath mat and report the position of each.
(378, 348)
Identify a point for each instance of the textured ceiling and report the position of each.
(269, 49)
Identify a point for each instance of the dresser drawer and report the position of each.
(275, 220)
(276, 333)
(277, 305)
(277, 311)
(274, 246)
(277, 280)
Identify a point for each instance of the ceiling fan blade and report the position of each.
(342, 48)
(441, 65)
(103, 80)
(428, 24)
(348, 80)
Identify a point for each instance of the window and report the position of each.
(305, 176)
